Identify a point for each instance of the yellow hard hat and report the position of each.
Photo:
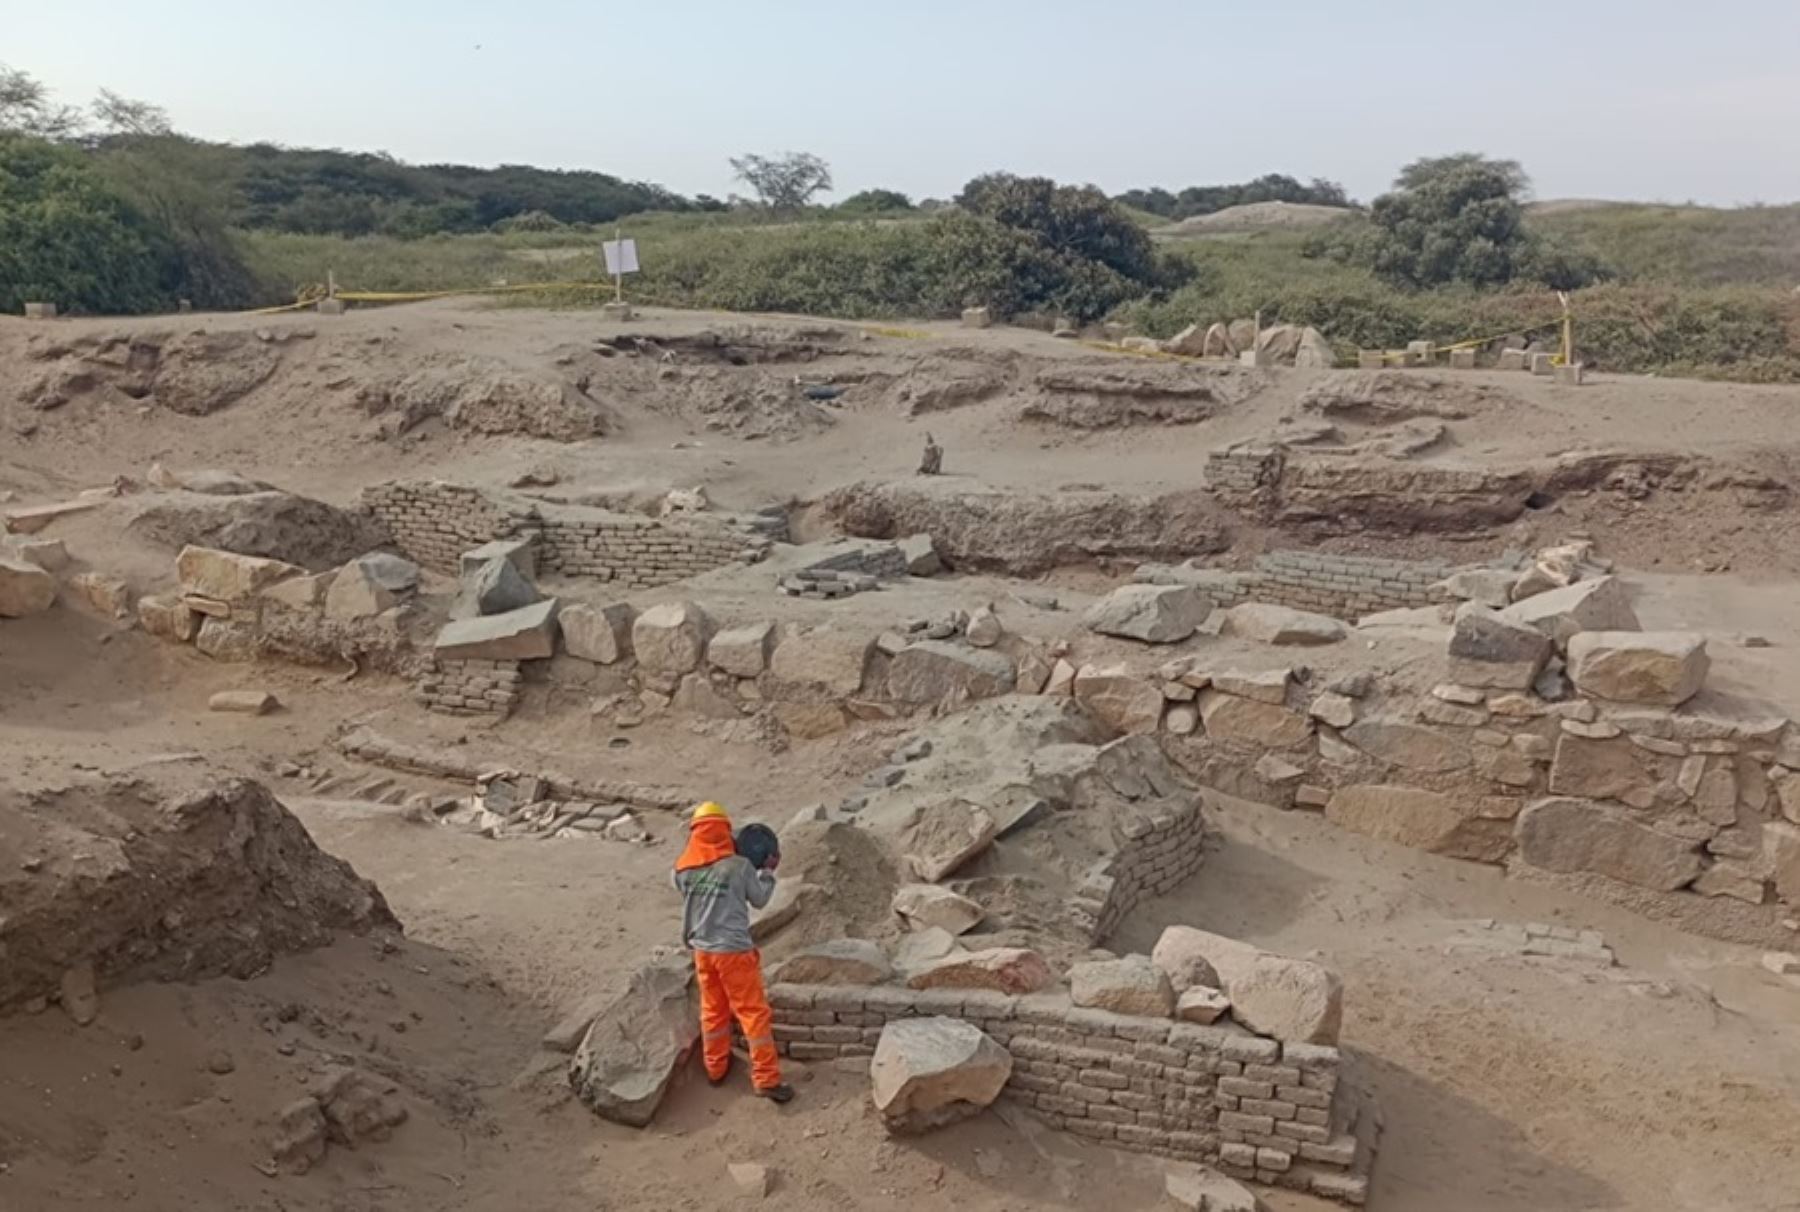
(705, 810)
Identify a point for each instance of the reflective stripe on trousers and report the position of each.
(731, 987)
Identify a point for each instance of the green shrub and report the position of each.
(875, 202)
(68, 238)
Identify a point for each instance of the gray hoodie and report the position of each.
(716, 903)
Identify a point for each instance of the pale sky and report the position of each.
(1642, 99)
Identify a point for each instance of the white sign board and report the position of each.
(621, 257)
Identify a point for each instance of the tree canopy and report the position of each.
(785, 182)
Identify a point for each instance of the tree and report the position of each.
(1427, 169)
(876, 201)
(1451, 219)
(784, 182)
(1073, 220)
(26, 108)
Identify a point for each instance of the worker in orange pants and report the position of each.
(719, 887)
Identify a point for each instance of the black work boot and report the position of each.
(782, 1093)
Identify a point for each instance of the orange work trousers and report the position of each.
(731, 986)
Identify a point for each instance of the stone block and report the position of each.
(671, 637)
(1514, 359)
(1462, 359)
(1665, 668)
(228, 576)
(520, 553)
(1543, 364)
(1489, 650)
(167, 617)
(601, 634)
(741, 651)
(1155, 614)
(519, 635)
(1426, 820)
(1571, 375)
(1574, 835)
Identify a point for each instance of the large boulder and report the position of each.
(1155, 614)
(1412, 746)
(631, 1051)
(1666, 668)
(1190, 342)
(1000, 969)
(1242, 334)
(935, 671)
(519, 635)
(671, 637)
(841, 961)
(1124, 701)
(1598, 605)
(362, 589)
(828, 661)
(1217, 343)
(928, 1072)
(743, 652)
(1289, 999)
(927, 906)
(226, 576)
(601, 634)
(945, 834)
(1132, 985)
(25, 589)
(1231, 717)
(1600, 768)
(521, 552)
(1572, 835)
(1280, 343)
(1271, 624)
(1490, 650)
(1192, 958)
(1424, 820)
(494, 587)
(1314, 351)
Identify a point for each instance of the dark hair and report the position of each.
(758, 843)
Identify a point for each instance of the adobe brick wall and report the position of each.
(1347, 586)
(1254, 1107)
(434, 522)
(472, 687)
(1155, 854)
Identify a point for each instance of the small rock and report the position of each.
(753, 1180)
(1201, 1005)
(985, 629)
(243, 702)
(80, 999)
(1782, 963)
(219, 1062)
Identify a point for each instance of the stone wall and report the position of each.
(1155, 854)
(434, 522)
(1341, 585)
(472, 687)
(634, 551)
(1254, 1107)
(1700, 801)
(1347, 586)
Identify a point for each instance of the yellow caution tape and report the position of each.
(903, 334)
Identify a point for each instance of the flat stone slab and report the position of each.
(527, 634)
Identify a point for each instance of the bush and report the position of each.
(68, 238)
(876, 202)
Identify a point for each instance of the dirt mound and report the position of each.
(1023, 533)
(1149, 393)
(1257, 216)
(197, 373)
(940, 382)
(277, 525)
(1390, 396)
(172, 878)
(485, 395)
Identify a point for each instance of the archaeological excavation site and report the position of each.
(1202, 781)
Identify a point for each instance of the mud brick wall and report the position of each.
(1344, 585)
(1242, 470)
(433, 522)
(472, 687)
(1252, 1106)
(634, 551)
(883, 560)
(1156, 853)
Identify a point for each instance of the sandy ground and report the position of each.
(1670, 1082)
